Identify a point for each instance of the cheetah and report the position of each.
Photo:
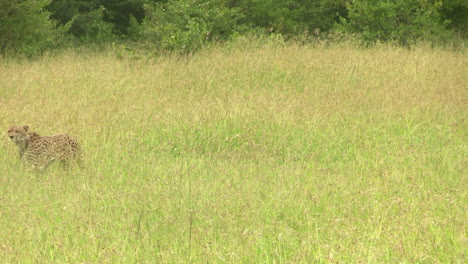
(41, 151)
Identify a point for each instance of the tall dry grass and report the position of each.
(241, 154)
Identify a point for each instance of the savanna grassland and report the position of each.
(241, 154)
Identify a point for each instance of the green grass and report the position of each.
(244, 154)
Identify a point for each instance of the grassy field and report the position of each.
(241, 154)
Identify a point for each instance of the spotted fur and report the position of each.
(41, 151)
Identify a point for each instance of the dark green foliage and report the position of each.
(456, 11)
(291, 16)
(187, 25)
(91, 27)
(32, 26)
(321, 14)
(84, 18)
(120, 12)
(65, 10)
(25, 28)
(97, 20)
(401, 21)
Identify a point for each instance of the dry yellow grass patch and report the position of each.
(275, 154)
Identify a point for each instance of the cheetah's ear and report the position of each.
(26, 128)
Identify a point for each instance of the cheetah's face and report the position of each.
(18, 134)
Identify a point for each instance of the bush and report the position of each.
(401, 21)
(187, 25)
(91, 27)
(291, 17)
(456, 11)
(101, 15)
(25, 28)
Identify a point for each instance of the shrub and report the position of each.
(91, 27)
(25, 28)
(401, 21)
(187, 25)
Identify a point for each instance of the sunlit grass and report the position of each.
(276, 154)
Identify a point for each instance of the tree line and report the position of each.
(31, 27)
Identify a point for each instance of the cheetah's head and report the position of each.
(17, 133)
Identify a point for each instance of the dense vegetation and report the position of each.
(255, 148)
(33, 26)
(243, 153)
